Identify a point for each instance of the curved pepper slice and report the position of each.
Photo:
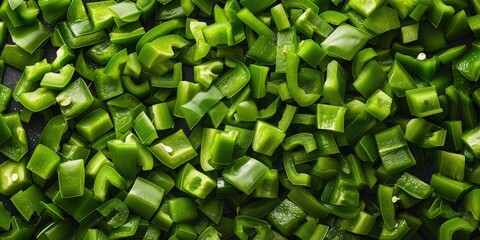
(232, 82)
(159, 31)
(245, 223)
(300, 95)
(161, 49)
(455, 226)
(107, 175)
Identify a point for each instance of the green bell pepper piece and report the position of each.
(245, 174)
(44, 162)
(124, 156)
(38, 100)
(455, 226)
(5, 218)
(21, 229)
(286, 217)
(71, 178)
(307, 202)
(124, 109)
(194, 182)
(382, 20)
(413, 186)
(182, 209)
(371, 78)
(95, 163)
(160, 50)
(379, 105)
(144, 198)
(74, 99)
(393, 150)
(107, 175)
(18, 58)
(309, 23)
(304, 97)
(125, 12)
(335, 84)
(126, 230)
(232, 82)
(266, 138)
(100, 16)
(194, 109)
(449, 189)
(145, 129)
(34, 73)
(468, 203)
(102, 52)
(161, 117)
(162, 179)
(345, 41)
(423, 102)
(94, 125)
(173, 150)
(256, 227)
(330, 117)
(75, 42)
(362, 224)
(78, 207)
(450, 165)
(247, 17)
(15, 177)
(310, 52)
(115, 211)
(58, 81)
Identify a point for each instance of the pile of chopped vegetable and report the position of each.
(240, 119)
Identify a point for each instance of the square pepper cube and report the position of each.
(330, 117)
(393, 150)
(22, 204)
(14, 177)
(173, 150)
(379, 105)
(310, 52)
(471, 138)
(398, 160)
(266, 138)
(194, 182)
(144, 198)
(390, 140)
(162, 219)
(145, 129)
(94, 125)
(409, 33)
(423, 102)
(184, 231)
(182, 209)
(75, 99)
(286, 217)
(44, 162)
(366, 149)
(245, 174)
(71, 178)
